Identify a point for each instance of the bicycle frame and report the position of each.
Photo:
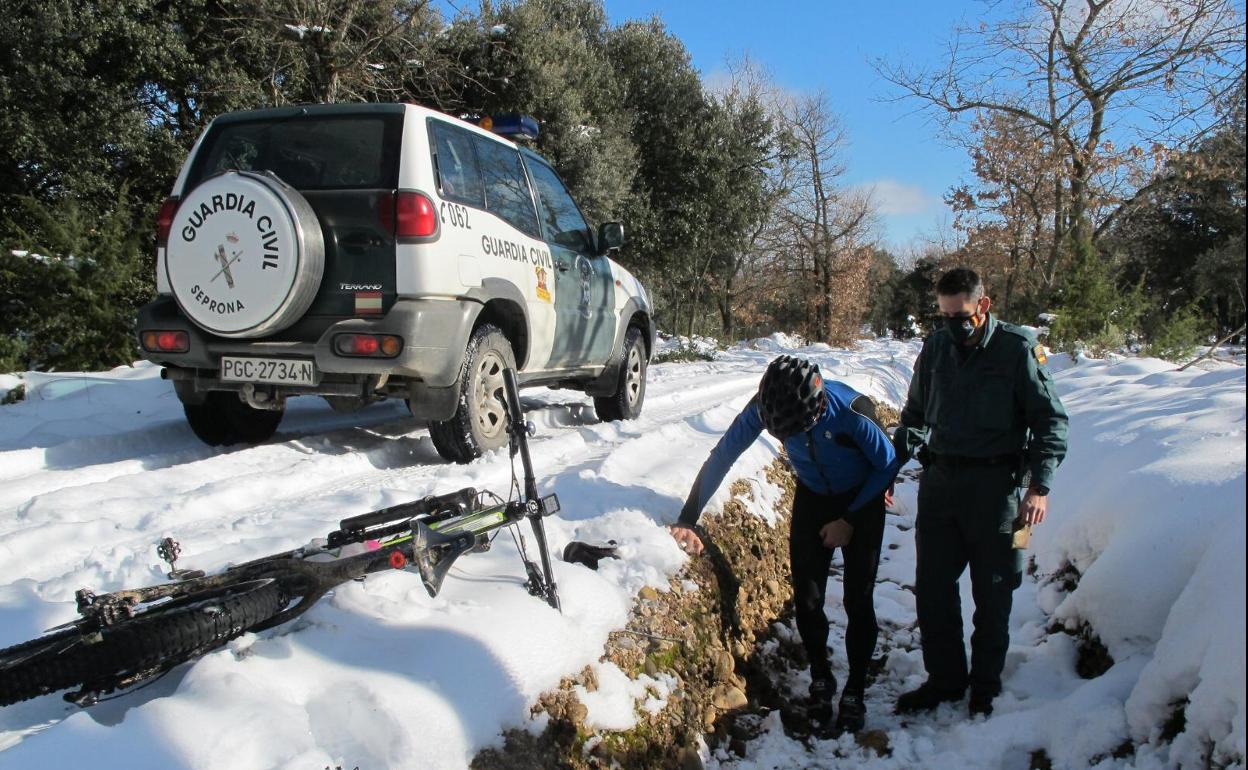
(430, 533)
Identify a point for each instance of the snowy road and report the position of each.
(95, 469)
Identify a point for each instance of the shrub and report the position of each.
(70, 283)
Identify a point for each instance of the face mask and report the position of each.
(961, 329)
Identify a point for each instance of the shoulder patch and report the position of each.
(1038, 352)
(866, 407)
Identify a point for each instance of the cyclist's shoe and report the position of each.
(851, 715)
(819, 712)
(927, 697)
(981, 702)
(822, 689)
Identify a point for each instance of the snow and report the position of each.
(1150, 507)
(669, 343)
(95, 468)
(618, 701)
(8, 382)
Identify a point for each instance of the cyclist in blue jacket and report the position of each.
(844, 463)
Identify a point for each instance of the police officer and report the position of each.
(983, 416)
(844, 463)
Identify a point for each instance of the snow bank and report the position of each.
(1150, 508)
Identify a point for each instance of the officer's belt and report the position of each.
(957, 461)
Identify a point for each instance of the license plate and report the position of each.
(275, 371)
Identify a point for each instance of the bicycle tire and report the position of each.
(154, 640)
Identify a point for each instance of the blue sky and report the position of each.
(810, 45)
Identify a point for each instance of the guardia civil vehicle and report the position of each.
(370, 251)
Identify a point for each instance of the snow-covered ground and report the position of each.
(1150, 507)
(96, 468)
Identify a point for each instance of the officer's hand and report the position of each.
(836, 534)
(1034, 508)
(686, 538)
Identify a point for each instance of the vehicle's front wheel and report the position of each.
(625, 403)
(480, 420)
(224, 419)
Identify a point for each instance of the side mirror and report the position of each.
(610, 236)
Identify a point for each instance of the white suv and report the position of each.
(370, 251)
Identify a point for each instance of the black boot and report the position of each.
(819, 712)
(927, 697)
(981, 702)
(851, 715)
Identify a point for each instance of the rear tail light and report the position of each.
(368, 345)
(164, 221)
(166, 342)
(409, 215)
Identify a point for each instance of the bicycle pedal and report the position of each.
(185, 574)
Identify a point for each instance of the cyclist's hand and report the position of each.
(686, 538)
(836, 534)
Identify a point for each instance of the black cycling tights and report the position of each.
(810, 562)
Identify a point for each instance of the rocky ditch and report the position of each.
(702, 635)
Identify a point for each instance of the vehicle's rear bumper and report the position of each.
(434, 333)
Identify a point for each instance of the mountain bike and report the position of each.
(127, 638)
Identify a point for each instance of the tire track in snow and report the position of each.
(320, 479)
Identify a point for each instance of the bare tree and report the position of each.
(748, 99)
(826, 226)
(1083, 72)
(1006, 215)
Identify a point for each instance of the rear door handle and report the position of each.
(359, 240)
(561, 266)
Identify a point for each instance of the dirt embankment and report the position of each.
(702, 632)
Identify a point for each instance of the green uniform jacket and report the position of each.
(985, 402)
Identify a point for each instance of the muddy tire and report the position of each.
(223, 419)
(155, 640)
(480, 421)
(626, 402)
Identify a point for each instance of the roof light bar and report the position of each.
(511, 124)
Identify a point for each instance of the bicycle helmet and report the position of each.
(791, 397)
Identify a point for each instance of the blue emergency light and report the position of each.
(511, 125)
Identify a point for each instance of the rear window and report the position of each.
(307, 152)
(506, 187)
(459, 176)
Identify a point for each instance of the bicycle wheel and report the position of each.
(132, 650)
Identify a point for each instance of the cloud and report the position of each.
(898, 198)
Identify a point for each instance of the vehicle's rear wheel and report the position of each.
(626, 402)
(224, 419)
(480, 420)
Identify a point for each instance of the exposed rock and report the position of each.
(689, 759)
(708, 718)
(728, 698)
(648, 593)
(876, 740)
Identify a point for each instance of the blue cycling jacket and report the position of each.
(845, 450)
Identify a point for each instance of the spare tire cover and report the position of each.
(245, 255)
